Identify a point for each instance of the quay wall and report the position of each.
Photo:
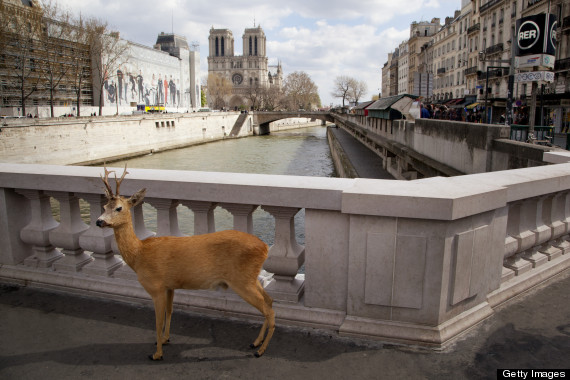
(88, 140)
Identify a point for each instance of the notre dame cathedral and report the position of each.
(247, 72)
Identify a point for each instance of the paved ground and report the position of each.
(366, 163)
(50, 335)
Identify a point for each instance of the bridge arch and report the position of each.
(261, 119)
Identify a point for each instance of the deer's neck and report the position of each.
(128, 243)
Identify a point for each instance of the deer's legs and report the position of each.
(159, 311)
(256, 297)
(169, 308)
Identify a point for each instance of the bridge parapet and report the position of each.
(409, 261)
(264, 117)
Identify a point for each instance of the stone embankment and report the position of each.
(91, 140)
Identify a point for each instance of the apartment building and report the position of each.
(471, 58)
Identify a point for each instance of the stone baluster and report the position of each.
(66, 235)
(563, 207)
(204, 221)
(243, 216)
(553, 219)
(285, 256)
(98, 240)
(516, 234)
(36, 232)
(166, 216)
(534, 220)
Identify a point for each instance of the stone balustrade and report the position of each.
(408, 261)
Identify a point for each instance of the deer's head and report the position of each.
(117, 209)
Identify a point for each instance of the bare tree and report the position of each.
(80, 62)
(358, 90)
(108, 53)
(219, 87)
(254, 94)
(342, 88)
(56, 48)
(21, 29)
(271, 98)
(300, 91)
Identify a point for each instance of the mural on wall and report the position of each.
(149, 83)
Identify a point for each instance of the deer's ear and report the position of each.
(137, 198)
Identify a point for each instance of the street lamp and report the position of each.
(483, 58)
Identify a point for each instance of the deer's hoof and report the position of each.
(151, 357)
(257, 354)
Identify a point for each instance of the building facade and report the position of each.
(471, 57)
(247, 72)
(34, 47)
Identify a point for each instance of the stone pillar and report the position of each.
(517, 235)
(203, 216)
(166, 216)
(36, 233)
(285, 256)
(243, 216)
(563, 208)
(66, 235)
(99, 240)
(15, 208)
(533, 213)
(553, 219)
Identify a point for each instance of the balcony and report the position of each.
(489, 5)
(474, 28)
(471, 70)
(441, 71)
(494, 49)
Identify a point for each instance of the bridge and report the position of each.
(263, 119)
(416, 262)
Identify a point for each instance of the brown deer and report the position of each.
(163, 264)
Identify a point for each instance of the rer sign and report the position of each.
(536, 35)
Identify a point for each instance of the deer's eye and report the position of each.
(118, 209)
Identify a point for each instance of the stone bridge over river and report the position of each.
(415, 262)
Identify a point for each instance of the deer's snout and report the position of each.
(101, 223)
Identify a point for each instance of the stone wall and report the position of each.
(69, 141)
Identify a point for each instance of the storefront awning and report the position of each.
(472, 105)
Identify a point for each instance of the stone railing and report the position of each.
(408, 261)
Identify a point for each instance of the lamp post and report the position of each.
(483, 58)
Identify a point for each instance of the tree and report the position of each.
(300, 91)
(342, 87)
(219, 88)
(20, 32)
(56, 48)
(108, 53)
(271, 98)
(349, 89)
(80, 62)
(358, 90)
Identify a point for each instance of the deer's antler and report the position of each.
(120, 180)
(108, 189)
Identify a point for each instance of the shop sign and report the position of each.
(535, 76)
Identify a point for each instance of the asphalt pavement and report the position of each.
(51, 335)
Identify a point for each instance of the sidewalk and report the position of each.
(366, 163)
(50, 335)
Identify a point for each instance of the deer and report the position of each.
(163, 264)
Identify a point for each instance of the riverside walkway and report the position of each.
(49, 335)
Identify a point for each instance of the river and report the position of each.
(303, 152)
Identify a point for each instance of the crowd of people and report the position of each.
(474, 115)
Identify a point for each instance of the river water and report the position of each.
(301, 152)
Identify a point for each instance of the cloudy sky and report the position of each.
(324, 38)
